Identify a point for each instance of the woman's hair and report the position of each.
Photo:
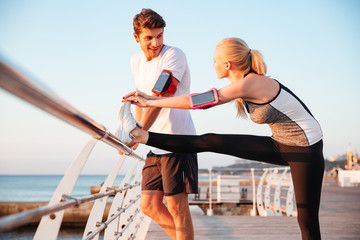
(147, 18)
(242, 57)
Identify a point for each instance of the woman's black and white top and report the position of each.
(290, 121)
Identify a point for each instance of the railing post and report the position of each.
(259, 199)
(124, 219)
(253, 210)
(50, 224)
(119, 200)
(290, 201)
(267, 193)
(210, 211)
(98, 208)
(277, 195)
(143, 227)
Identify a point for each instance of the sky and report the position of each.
(81, 50)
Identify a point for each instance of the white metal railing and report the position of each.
(125, 220)
(270, 190)
(348, 178)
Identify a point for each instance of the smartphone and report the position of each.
(204, 100)
(163, 83)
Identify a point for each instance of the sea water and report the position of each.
(40, 188)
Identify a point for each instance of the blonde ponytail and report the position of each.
(247, 60)
(258, 65)
(240, 105)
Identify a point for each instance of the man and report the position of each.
(166, 174)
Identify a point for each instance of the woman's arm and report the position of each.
(181, 102)
(141, 99)
(231, 92)
(255, 88)
(226, 94)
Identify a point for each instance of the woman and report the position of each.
(296, 139)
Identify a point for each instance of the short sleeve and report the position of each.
(175, 62)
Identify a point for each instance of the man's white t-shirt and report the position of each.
(146, 73)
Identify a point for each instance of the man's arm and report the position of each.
(150, 114)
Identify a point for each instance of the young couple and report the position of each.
(296, 139)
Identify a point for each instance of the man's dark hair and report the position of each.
(147, 18)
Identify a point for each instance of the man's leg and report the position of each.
(178, 206)
(152, 205)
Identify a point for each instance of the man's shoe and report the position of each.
(126, 123)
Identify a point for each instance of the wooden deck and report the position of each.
(339, 219)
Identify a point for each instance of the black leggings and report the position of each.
(306, 164)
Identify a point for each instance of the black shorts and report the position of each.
(171, 173)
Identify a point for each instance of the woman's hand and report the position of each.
(141, 99)
(138, 98)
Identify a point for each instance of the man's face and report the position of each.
(151, 42)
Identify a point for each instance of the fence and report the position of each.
(348, 178)
(125, 220)
(269, 190)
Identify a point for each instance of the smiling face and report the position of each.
(151, 42)
(220, 64)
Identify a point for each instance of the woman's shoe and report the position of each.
(126, 123)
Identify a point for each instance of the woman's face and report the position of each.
(220, 64)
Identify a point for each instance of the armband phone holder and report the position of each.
(164, 84)
(204, 100)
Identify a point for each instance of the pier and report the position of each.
(339, 219)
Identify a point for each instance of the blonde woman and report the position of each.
(296, 138)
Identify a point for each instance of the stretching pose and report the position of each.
(296, 136)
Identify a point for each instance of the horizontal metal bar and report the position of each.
(16, 220)
(111, 219)
(23, 87)
(107, 193)
(119, 234)
(137, 226)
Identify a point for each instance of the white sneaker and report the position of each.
(126, 123)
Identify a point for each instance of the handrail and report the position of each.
(22, 86)
(25, 88)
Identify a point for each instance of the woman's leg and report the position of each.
(307, 169)
(306, 163)
(243, 146)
